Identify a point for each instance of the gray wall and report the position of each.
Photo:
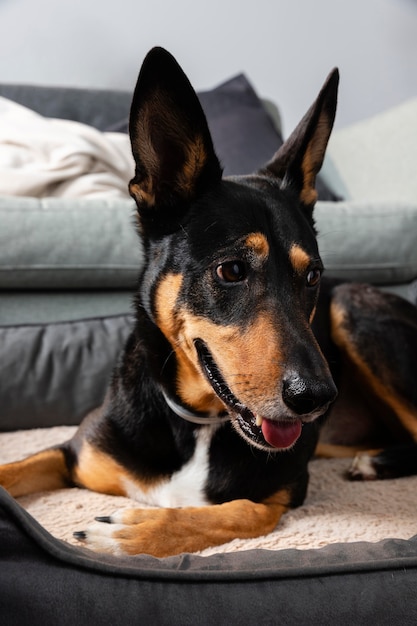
(286, 47)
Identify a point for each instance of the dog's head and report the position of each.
(233, 270)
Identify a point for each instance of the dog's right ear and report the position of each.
(298, 161)
(171, 143)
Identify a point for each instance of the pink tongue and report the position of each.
(281, 434)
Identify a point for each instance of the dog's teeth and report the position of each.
(258, 420)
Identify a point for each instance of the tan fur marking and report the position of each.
(249, 359)
(198, 394)
(166, 299)
(259, 244)
(406, 415)
(165, 532)
(308, 194)
(195, 160)
(299, 258)
(142, 193)
(43, 471)
(312, 315)
(312, 160)
(97, 471)
(332, 451)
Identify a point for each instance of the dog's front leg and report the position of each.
(165, 532)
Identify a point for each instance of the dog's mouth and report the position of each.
(260, 431)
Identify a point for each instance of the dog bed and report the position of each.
(45, 581)
(67, 273)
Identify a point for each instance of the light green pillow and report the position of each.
(368, 241)
(376, 159)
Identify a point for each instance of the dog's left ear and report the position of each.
(300, 158)
(171, 142)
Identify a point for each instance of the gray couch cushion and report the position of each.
(92, 244)
(369, 241)
(56, 243)
(54, 373)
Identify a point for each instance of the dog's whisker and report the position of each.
(165, 363)
(210, 226)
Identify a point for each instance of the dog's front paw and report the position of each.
(101, 538)
(165, 532)
(362, 468)
(129, 532)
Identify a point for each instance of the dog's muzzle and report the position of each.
(305, 402)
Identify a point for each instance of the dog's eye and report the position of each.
(232, 271)
(313, 277)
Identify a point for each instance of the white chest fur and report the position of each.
(185, 487)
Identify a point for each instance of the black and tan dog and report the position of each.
(215, 408)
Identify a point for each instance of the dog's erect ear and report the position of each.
(171, 142)
(300, 158)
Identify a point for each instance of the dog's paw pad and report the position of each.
(362, 468)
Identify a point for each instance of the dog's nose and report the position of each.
(304, 396)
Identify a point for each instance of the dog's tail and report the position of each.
(44, 471)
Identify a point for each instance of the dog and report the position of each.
(230, 372)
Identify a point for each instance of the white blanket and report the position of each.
(41, 157)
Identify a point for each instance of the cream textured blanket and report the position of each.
(335, 510)
(42, 157)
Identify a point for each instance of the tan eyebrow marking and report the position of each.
(259, 244)
(299, 258)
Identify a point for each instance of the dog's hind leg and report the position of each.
(377, 335)
(394, 462)
(46, 470)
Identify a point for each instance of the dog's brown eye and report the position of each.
(232, 271)
(313, 277)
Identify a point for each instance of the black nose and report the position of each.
(304, 396)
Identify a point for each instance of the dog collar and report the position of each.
(181, 411)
